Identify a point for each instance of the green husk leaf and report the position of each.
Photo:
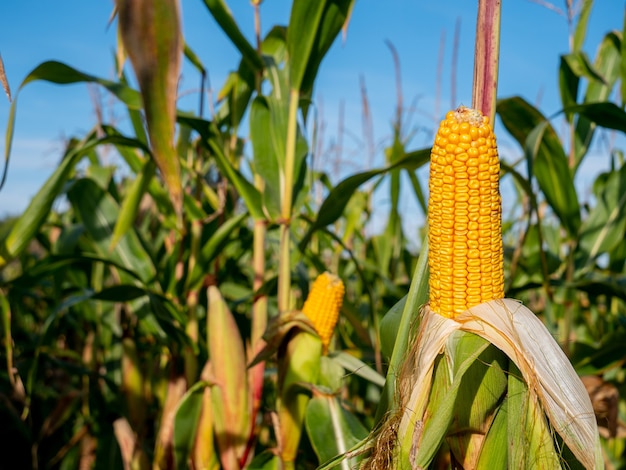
(185, 424)
(529, 437)
(298, 370)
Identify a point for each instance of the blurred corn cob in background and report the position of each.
(299, 358)
(323, 304)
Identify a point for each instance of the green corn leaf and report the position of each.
(331, 376)
(128, 150)
(606, 64)
(303, 28)
(225, 20)
(99, 212)
(604, 228)
(313, 27)
(266, 460)
(607, 115)
(130, 204)
(332, 430)
(419, 192)
(574, 66)
(235, 96)
(581, 25)
(59, 73)
(407, 324)
(52, 263)
(8, 141)
(355, 366)
(185, 424)
(266, 159)
(251, 196)
(39, 208)
(269, 116)
(219, 238)
(120, 293)
(62, 74)
(194, 59)
(551, 169)
(545, 158)
(335, 203)
(5, 312)
(246, 190)
(582, 68)
(623, 63)
(389, 326)
(568, 84)
(214, 246)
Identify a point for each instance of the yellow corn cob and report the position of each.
(323, 304)
(464, 215)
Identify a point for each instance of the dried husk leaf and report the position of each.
(518, 332)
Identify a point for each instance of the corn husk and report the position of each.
(547, 398)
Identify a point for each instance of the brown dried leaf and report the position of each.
(604, 399)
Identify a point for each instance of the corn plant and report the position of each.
(161, 313)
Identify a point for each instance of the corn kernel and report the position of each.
(466, 260)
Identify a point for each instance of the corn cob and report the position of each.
(323, 304)
(464, 215)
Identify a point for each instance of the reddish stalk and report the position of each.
(486, 57)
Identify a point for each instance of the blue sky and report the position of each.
(76, 32)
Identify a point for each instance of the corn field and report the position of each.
(198, 307)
